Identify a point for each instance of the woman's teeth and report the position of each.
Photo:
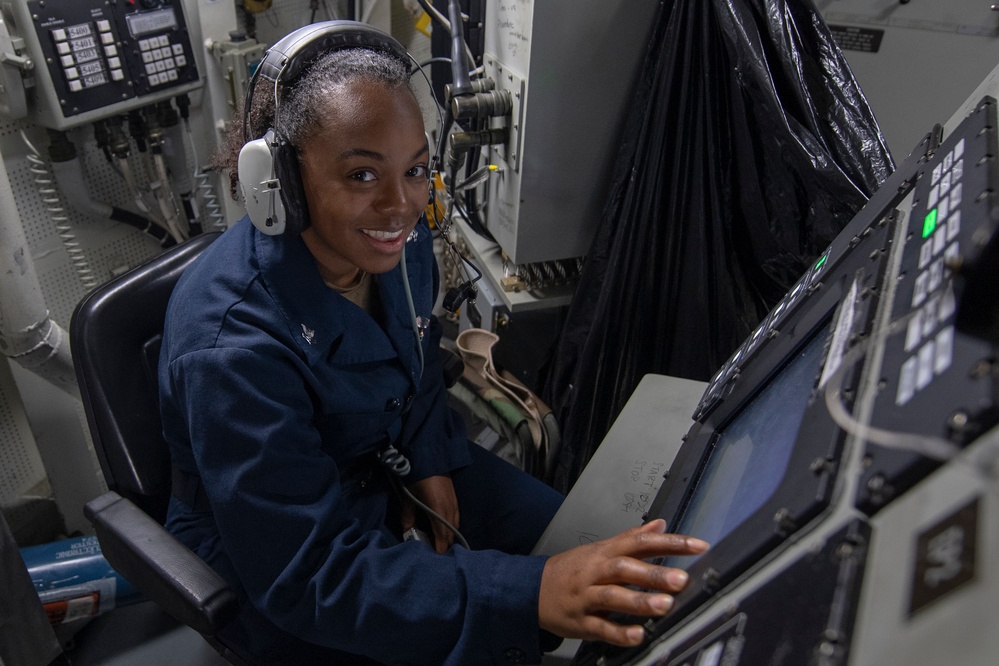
(382, 235)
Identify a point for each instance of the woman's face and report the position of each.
(365, 178)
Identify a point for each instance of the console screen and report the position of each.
(750, 455)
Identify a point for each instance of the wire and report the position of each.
(930, 446)
(124, 169)
(985, 460)
(479, 176)
(443, 22)
(394, 461)
(456, 257)
(390, 457)
(437, 104)
(435, 14)
(412, 309)
(164, 196)
(436, 516)
(465, 261)
(49, 194)
(203, 184)
(213, 209)
(435, 59)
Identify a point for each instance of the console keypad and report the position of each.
(929, 335)
(162, 59)
(88, 54)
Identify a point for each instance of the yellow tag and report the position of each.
(423, 23)
(435, 210)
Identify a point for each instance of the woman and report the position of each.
(295, 368)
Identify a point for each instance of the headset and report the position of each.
(269, 176)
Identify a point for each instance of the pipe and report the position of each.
(69, 177)
(27, 334)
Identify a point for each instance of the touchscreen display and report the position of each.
(750, 455)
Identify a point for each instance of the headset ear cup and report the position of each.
(259, 186)
(292, 191)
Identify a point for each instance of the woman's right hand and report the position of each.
(580, 587)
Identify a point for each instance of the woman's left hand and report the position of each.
(437, 492)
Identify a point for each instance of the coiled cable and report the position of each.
(203, 185)
(397, 463)
(394, 461)
(49, 193)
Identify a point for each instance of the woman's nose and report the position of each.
(399, 198)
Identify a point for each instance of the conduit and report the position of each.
(27, 334)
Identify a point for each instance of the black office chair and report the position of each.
(115, 334)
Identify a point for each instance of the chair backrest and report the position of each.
(115, 335)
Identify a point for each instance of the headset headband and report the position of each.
(268, 167)
(290, 56)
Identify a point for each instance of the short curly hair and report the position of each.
(300, 104)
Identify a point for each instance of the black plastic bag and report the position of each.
(749, 148)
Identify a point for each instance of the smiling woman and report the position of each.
(302, 394)
(365, 177)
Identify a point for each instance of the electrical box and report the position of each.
(92, 59)
(569, 66)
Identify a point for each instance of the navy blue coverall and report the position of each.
(275, 393)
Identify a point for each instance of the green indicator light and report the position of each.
(930, 223)
(822, 262)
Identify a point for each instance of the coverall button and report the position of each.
(393, 404)
(515, 656)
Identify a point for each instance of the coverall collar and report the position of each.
(317, 317)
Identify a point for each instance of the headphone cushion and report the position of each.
(296, 206)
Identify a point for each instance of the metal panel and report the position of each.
(20, 465)
(577, 60)
(930, 54)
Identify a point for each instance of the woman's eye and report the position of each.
(362, 176)
(418, 171)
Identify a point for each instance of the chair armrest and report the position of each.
(164, 569)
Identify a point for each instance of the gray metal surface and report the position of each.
(624, 474)
(930, 54)
(577, 60)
